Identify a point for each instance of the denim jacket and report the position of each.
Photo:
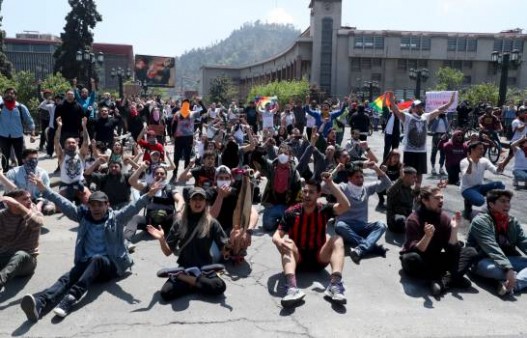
(113, 228)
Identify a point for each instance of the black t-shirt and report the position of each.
(104, 129)
(115, 186)
(197, 251)
(227, 206)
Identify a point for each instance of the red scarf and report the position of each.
(10, 104)
(502, 222)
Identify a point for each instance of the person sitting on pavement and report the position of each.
(497, 236)
(190, 238)
(400, 200)
(114, 184)
(204, 174)
(358, 149)
(71, 163)
(224, 197)
(18, 178)
(431, 250)
(303, 243)
(20, 227)
(473, 169)
(100, 252)
(353, 225)
(163, 206)
(282, 188)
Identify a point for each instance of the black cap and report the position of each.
(409, 170)
(98, 196)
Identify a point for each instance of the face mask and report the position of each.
(283, 158)
(31, 165)
(223, 183)
(152, 140)
(356, 191)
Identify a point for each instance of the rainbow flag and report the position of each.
(261, 101)
(377, 103)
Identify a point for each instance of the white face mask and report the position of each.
(356, 191)
(220, 184)
(283, 158)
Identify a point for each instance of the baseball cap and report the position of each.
(222, 169)
(197, 191)
(417, 103)
(98, 196)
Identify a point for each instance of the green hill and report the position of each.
(253, 42)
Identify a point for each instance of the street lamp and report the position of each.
(420, 74)
(370, 85)
(504, 60)
(89, 59)
(120, 73)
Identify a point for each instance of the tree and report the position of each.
(56, 83)
(222, 89)
(485, 92)
(449, 79)
(77, 36)
(6, 68)
(284, 90)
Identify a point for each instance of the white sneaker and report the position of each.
(442, 171)
(293, 297)
(434, 172)
(335, 292)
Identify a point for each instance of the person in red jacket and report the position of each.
(455, 150)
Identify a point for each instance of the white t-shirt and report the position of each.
(415, 131)
(477, 174)
(310, 121)
(518, 134)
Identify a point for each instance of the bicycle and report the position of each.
(492, 144)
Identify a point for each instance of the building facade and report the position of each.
(340, 60)
(33, 52)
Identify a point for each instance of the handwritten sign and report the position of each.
(435, 100)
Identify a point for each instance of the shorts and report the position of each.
(309, 260)
(416, 161)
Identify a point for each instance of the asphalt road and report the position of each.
(381, 301)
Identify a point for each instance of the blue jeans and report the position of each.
(360, 234)
(271, 215)
(520, 175)
(488, 269)
(476, 194)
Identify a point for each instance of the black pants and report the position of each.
(182, 149)
(390, 142)
(77, 281)
(208, 285)
(397, 226)
(50, 145)
(454, 259)
(453, 173)
(44, 123)
(5, 146)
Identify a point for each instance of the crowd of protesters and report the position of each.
(307, 180)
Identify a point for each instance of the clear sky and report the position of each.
(170, 27)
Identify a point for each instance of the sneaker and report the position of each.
(130, 246)
(29, 306)
(434, 172)
(65, 305)
(293, 297)
(502, 290)
(335, 292)
(437, 288)
(515, 183)
(442, 172)
(356, 255)
(379, 250)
